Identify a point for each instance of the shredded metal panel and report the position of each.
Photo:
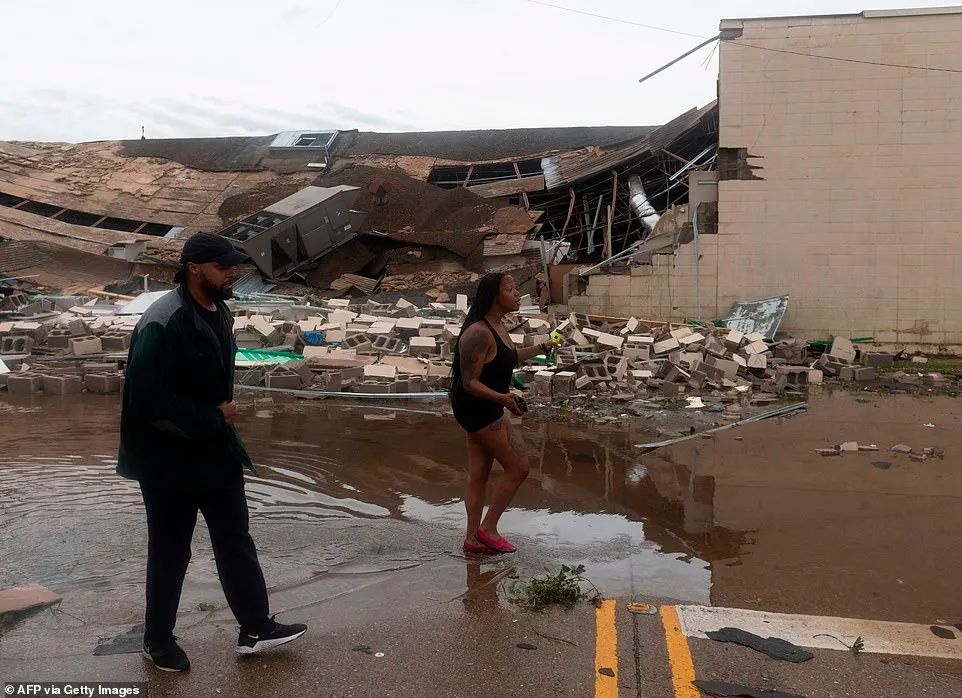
(252, 283)
(758, 316)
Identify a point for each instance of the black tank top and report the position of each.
(496, 373)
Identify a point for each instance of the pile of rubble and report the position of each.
(64, 345)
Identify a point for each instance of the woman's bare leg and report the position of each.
(479, 469)
(503, 441)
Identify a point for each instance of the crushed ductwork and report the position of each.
(640, 204)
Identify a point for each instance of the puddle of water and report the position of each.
(752, 517)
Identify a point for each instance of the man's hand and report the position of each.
(229, 410)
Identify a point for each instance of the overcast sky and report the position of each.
(77, 71)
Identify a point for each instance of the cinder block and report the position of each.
(388, 345)
(734, 340)
(665, 346)
(563, 383)
(876, 359)
(119, 341)
(61, 385)
(759, 347)
(58, 339)
(287, 380)
(24, 383)
(842, 350)
(864, 373)
(423, 346)
(17, 344)
(102, 383)
(380, 371)
(82, 346)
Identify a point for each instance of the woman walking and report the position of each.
(484, 361)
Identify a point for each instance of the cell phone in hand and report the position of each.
(522, 405)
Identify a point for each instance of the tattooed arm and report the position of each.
(526, 353)
(475, 347)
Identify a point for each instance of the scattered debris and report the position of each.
(882, 464)
(943, 633)
(774, 647)
(725, 689)
(130, 642)
(607, 671)
(25, 599)
(645, 609)
(901, 448)
(526, 646)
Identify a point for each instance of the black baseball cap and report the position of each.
(207, 247)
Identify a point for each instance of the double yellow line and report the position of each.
(606, 653)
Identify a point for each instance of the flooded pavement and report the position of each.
(751, 517)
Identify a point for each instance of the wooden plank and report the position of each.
(508, 187)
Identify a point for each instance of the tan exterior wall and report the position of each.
(857, 212)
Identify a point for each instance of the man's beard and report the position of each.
(217, 293)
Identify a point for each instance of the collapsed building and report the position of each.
(818, 181)
(838, 142)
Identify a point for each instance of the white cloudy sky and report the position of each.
(75, 71)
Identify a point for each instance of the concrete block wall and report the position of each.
(664, 290)
(857, 213)
(857, 210)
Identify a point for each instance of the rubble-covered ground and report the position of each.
(358, 517)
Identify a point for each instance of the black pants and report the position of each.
(171, 516)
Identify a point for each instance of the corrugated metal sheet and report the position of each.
(567, 168)
(500, 245)
(252, 283)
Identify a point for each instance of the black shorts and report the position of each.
(472, 413)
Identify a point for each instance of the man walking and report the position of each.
(177, 438)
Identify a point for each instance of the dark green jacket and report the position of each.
(172, 433)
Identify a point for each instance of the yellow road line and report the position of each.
(606, 650)
(679, 655)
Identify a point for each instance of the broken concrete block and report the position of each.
(754, 337)
(61, 385)
(842, 350)
(849, 446)
(582, 382)
(118, 341)
(730, 368)
(102, 383)
(863, 373)
(919, 360)
(733, 340)
(757, 361)
(670, 389)
(693, 338)
(828, 451)
(82, 346)
(665, 346)
(876, 359)
(461, 302)
(283, 380)
(759, 347)
(815, 377)
(563, 383)
(380, 371)
(681, 332)
(902, 448)
(716, 348)
(608, 340)
(846, 373)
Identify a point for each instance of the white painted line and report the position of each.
(879, 637)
